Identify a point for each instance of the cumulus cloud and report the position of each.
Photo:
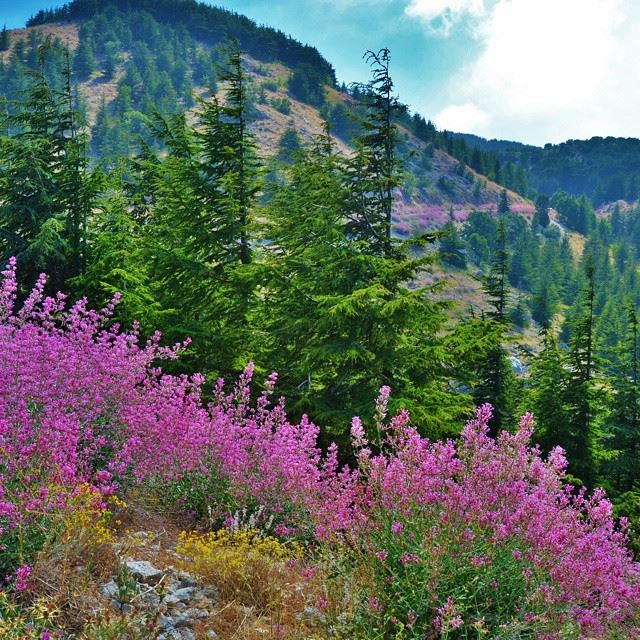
(441, 16)
(547, 70)
(463, 117)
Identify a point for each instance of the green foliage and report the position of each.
(503, 205)
(624, 421)
(412, 579)
(452, 250)
(307, 84)
(373, 173)
(283, 105)
(84, 63)
(541, 215)
(196, 252)
(289, 145)
(118, 262)
(5, 39)
(495, 379)
(545, 398)
(46, 188)
(340, 319)
(575, 212)
(578, 436)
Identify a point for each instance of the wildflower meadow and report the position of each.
(477, 537)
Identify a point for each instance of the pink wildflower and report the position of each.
(22, 578)
(397, 528)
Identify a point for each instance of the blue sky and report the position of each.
(531, 70)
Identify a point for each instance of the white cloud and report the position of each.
(548, 69)
(442, 15)
(462, 117)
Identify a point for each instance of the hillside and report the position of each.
(129, 60)
(604, 169)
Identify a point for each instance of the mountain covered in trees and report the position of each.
(603, 169)
(215, 175)
(133, 59)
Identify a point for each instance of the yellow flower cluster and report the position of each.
(86, 518)
(231, 555)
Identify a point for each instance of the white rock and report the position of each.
(110, 590)
(144, 571)
(180, 595)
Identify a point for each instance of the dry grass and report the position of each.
(306, 120)
(576, 242)
(67, 33)
(280, 605)
(271, 595)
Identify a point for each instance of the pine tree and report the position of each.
(5, 39)
(202, 193)
(307, 252)
(79, 186)
(544, 301)
(580, 394)
(541, 215)
(339, 283)
(119, 263)
(240, 149)
(289, 145)
(452, 247)
(110, 63)
(624, 421)
(495, 378)
(46, 189)
(503, 204)
(496, 282)
(339, 316)
(374, 170)
(84, 63)
(545, 397)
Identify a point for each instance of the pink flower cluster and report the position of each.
(83, 402)
(503, 491)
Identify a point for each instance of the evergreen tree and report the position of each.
(5, 39)
(580, 394)
(624, 422)
(84, 63)
(46, 189)
(545, 397)
(519, 315)
(289, 145)
(495, 378)
(524, 256)
(119, 263)
(452, 247)
(373, 172)
(541, 215)
(240, 163)
(544, 303)
(198, 245)
(496, 283)
(110, 63)
(503, 204)
(340, 314)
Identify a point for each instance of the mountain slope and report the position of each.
(604, 169)
(131, 58)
